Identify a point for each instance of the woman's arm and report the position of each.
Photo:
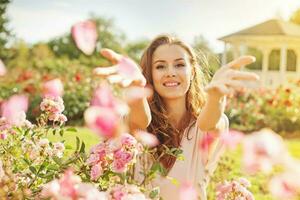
(224, 82)
(140, 114)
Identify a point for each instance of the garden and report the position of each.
(63, 134)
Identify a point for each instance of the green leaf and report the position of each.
(77, 143)
(32, 169)
(154, 193)
(57, 160)
(82, 148)
(61, 132)
(68, 146)
(72, 129)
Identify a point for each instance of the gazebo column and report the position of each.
(242, 52)
(265, 66)
(224, 55)
(283, 58)
(235, 48)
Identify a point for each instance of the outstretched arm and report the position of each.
(224, 82)
(140, 114)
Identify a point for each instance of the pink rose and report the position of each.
(96, 172)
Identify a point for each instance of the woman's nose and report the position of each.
(171, 72)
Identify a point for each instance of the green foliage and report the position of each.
(295, 17)
(5, 33)
(277, 109)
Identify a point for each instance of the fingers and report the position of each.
(105, 71)
(111, 55)
(239, 75)
(241, 61)
(219, 88)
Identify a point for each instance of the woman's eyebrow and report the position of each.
(178, 59)
(159, 61)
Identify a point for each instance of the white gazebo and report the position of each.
(267, 37)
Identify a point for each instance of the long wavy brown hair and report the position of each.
(195, 98)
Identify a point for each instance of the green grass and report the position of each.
(84, 134)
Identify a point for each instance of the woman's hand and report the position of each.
(124, 71)
(127, 74)
(229, 78)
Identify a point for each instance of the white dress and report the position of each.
(197, 166)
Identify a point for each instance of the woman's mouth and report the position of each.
(171, 84)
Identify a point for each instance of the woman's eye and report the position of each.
(180, 65)
(159, 66)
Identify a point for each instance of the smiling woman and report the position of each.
(184, 113)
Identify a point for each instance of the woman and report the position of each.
(183, 109)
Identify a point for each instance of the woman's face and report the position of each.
(171, 71)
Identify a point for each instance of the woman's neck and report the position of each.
(176, 111)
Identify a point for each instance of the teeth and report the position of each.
(171, 84)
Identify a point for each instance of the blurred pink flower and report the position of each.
(232, 138)
(205, 145)
(146, 138)
(262, 150)
(103, 97)
(237, 189)
(103, 121)
(285, 186)
(53, 88)
(187, 191)
(85, 36)
(70, 187)
(2, 68)
(67, 184)
(3, 136)
(13, 110)
(89, 192)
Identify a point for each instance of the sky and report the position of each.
(41, 20)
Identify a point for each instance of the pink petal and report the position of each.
(104, 121)
(103, 97)
(53, 88)
(2, 68)
(85, 36)
(146, 138)
(187, 191)
(14, 109)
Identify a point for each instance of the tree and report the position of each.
(295, 18)
(207, 58)
(5, 33)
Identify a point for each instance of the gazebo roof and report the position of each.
(273, 27)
